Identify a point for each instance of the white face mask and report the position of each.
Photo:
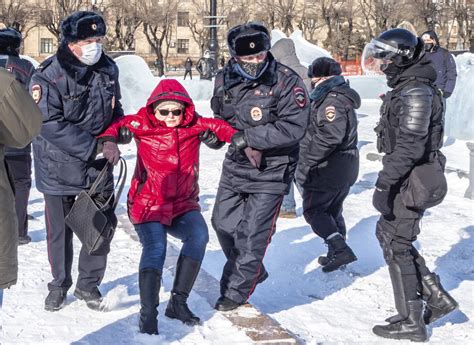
(91, 53)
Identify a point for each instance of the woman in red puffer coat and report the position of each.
(164, 194)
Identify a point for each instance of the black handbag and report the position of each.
(426, 186)
(92, 216)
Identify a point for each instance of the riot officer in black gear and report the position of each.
(410, 133)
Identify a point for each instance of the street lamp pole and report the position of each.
(213, 32)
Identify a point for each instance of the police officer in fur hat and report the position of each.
(329, 158)
(78, 92)
(18, 160)
(267, 103)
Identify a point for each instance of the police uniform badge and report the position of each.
(252, 45)
(300, 96)
(36, 92)
(330, 113)
(94, 26)
(256, 113)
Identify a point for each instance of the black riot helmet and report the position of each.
(400, 46)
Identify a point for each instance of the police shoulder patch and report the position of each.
(36, 92)
(330, 113)
(300, 96)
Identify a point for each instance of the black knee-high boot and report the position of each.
(187, 270)
(149, 283)
(409, 322)
(438, 301)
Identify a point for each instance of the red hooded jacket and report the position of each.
(165, 182)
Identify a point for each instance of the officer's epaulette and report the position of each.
(286, 70)
(44, 64)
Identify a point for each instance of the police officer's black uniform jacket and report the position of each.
(78, 103)
(273, 113)
(411, 124)
(329, 158)
(22, 69)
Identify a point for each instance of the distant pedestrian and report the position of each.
(205, 66)
(188, 67)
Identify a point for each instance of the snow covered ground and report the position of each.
(339, 307)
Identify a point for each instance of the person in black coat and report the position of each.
(18, 160)
(329, 159)
(78, 92)
(188, 67)
(443, 62)
(410, 133)
(267, 103)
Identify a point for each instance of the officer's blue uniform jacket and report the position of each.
(78, 103)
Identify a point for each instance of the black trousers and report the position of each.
(60, 249)
(396, 234)
(323, 211)
(20, 169)
(190, 74)
(244, 224)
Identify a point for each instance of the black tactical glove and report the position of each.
(209, 138)
(382, 199)
(238, 140)
(254, 156)
(124, 136)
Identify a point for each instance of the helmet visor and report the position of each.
(376, 54)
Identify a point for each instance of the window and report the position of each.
(46, 46)
(183, 46)
(183, 18)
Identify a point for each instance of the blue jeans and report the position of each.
(190, 228)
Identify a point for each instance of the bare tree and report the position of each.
(15, 14)
(196, 23)
(52, 12)
(158, 18)
(281, 14)
(310, 22)
(124, 20)
(463, 13)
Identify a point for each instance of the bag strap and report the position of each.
(99, 179)
(120, 183)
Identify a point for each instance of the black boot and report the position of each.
(226, 304)
(187, 270)
(343, 254)
(149, 282)
(412, 327)
(323, 260)
(438, 301)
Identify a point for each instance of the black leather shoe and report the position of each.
(55, 300)
(92, 298)
(226, 304)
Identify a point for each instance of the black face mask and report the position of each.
(252, 68)
(429, 46)
(391, 71)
